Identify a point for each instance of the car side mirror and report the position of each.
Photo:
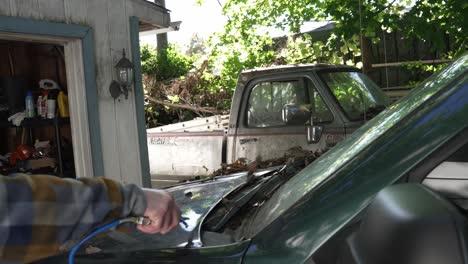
(295, 115)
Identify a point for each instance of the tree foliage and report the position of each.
(197, 47)
(247, 43)
(436, 20)
(167, 64)
(158, 68)
(175, 90)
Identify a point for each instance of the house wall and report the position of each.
(110, 21)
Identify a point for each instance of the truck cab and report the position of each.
(308, 106)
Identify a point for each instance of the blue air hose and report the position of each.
(136, 220)
(71, 255)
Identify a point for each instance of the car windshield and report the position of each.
(358, 96)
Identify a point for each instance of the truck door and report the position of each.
(262, 133)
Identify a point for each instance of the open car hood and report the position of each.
(195, 199)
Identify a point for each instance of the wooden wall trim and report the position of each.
(148, 12)
(82, 153)
(139, 102)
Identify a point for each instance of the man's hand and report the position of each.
(162, 210)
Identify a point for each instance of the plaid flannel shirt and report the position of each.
(44, 215)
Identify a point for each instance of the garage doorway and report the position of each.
(35, 57)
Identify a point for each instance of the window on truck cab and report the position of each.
(356, 94)
(320, 111)
(267, 99)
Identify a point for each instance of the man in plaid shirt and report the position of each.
(44, 215)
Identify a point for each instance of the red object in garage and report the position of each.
(22, 152)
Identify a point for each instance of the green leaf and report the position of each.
(174, 99)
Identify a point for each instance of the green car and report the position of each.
(415, 153)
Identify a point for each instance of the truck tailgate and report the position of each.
(184, 154)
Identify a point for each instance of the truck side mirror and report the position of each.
(295, 115)
(314, 133)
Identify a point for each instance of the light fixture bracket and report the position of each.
(116, 90)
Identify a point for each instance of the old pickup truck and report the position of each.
(274, 110)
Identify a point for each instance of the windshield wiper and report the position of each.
(257, 195)
(252, 181)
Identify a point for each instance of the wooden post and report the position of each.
(366, 55)
(162, 41)
(397, 54)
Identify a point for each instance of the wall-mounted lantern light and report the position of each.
(124, 71)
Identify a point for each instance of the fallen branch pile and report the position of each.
(293, 154)
(176, 97)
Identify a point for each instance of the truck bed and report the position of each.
(200, 124)
(186, 149)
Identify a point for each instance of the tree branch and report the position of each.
(196, 109)
(385, 7)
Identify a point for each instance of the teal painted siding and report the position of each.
(39, 27)
(139, 102)
(92, 102)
